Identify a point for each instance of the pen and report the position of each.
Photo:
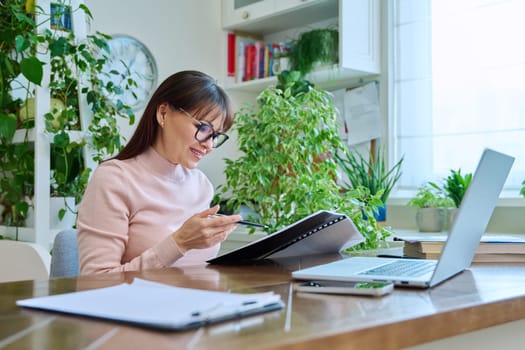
(244, 222)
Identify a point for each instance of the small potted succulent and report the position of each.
(431, 202)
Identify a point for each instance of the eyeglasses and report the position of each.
(205, 132)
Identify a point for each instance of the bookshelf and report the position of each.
(281, 21)
(41, 224)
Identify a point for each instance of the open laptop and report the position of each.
(457, 254)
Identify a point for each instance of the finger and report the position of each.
(210, 211)
(224, 220)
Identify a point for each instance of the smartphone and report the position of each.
(339, 287)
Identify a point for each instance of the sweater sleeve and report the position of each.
(103, 224)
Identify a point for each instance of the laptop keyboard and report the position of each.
(407, 268)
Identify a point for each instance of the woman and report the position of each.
(148, 207)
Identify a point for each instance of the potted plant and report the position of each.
(522, 191)
(77, 74)
(372, 173)
(317, 46)
(431, 203)
(455, 186)
(286, 170)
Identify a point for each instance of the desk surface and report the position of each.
(483, 296)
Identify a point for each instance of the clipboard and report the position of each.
(156, 305)
(320, 233)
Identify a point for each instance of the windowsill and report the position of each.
(508, 216)
(502, 201)
(507, 198)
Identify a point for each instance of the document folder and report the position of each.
(320, 233)
(156, 305)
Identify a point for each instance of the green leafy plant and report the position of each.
(317, 45)
(455, 185)
(287, 170)
(70, 176)
(430, 195)
(77, 73)
(522, 191)
(370, 172)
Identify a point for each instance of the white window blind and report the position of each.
(458, 70)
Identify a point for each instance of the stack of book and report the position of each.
(250, 58)
(492, 248)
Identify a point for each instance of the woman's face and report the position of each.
(176, 137)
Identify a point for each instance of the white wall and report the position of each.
(181, 34)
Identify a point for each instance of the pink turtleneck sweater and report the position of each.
(130, 210)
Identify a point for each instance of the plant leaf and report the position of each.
(32, 69)
(7, 125)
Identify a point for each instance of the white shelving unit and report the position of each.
(276, 20)
(42, 232)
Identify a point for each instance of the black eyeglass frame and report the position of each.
(214, 134)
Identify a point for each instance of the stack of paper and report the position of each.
(157, 305)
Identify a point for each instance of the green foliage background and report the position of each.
(77, 70)
(287, 170)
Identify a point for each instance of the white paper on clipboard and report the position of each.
(362, 113)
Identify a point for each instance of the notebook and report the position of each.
(319, 233)
(457, 254)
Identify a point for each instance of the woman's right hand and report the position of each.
(204, 230)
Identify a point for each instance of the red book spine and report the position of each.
(249, 68)
(231, 55)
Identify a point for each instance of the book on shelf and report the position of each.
(249, 62)
(236, 53)
(259, 60)
(266, 64)
(492, 247)
(250, 58)
(231, 55)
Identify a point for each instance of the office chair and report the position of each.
(20, 261)
(64, 256)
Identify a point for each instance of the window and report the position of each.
(457, 71)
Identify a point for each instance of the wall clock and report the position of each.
(127, 52)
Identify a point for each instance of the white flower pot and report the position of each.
(431, 219)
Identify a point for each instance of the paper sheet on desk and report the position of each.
(157, 305)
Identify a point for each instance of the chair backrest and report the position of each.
(64, 256)
(21, 261)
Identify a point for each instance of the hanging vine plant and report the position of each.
(77, 72)
(312, 47)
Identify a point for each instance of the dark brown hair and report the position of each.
(190, 90)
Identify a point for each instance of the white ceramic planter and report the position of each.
(431, 219)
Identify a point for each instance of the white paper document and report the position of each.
(157, 305)
(362, 113)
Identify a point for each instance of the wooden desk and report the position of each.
(482, 296)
